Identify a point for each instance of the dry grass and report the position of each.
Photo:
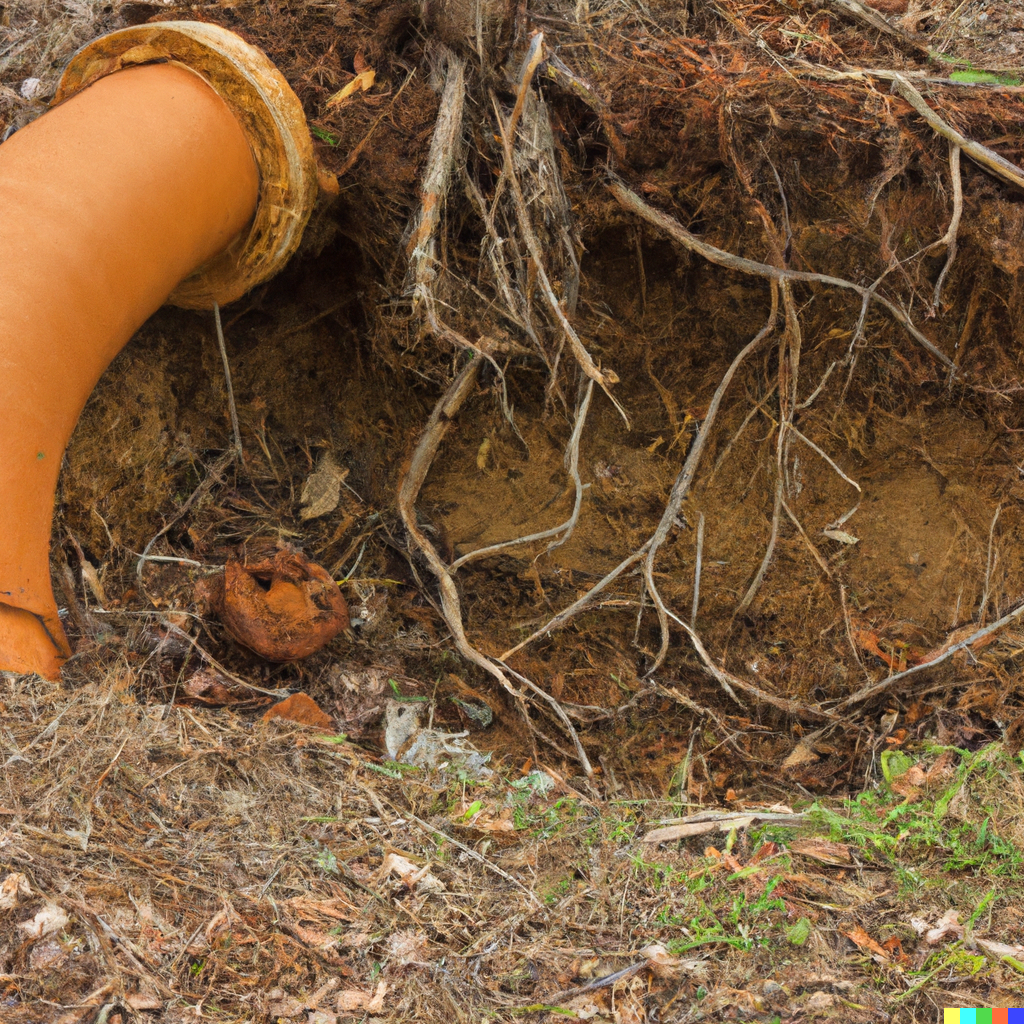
(211, 866)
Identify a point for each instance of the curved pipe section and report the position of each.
(142, 183)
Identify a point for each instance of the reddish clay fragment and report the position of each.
(301, 708)
(283, 607)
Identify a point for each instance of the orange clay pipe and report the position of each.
(107, 203)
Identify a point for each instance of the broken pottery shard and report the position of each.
(301, 708)
(283, 607)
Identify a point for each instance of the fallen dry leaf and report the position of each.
(322, 490)
(300, 708)
(355, 999)
(820, 1001)
(208, 686)
(410, 874)
(282, 1005)
(948, 924)
(363, 82)
(859, 936)
(408, 947)
(50, 919)
(801, 754)
(144, 999)
(15, 885)
(663, 964)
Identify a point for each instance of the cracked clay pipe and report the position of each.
(108, 202)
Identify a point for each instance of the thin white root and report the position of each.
(451, 606)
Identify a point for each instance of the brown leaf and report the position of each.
(947, 925)
(12, 889)
(354, 999)
(363, 82)
(864, 941)
(322, 490)
(823, 850)
(801, 754)
(300, 708)
(208, 686)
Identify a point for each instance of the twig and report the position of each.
(227, 380)
(531, 61)
(209, 658)
(730, 444)
(815, 553)
(436, 177)
(607, 981)
(422, 242)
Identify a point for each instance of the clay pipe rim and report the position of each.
(274, 124)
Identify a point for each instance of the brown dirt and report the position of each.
(321, 364)
(329, 357)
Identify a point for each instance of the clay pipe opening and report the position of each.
(109, 202)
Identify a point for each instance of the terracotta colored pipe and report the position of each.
(107, 202)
